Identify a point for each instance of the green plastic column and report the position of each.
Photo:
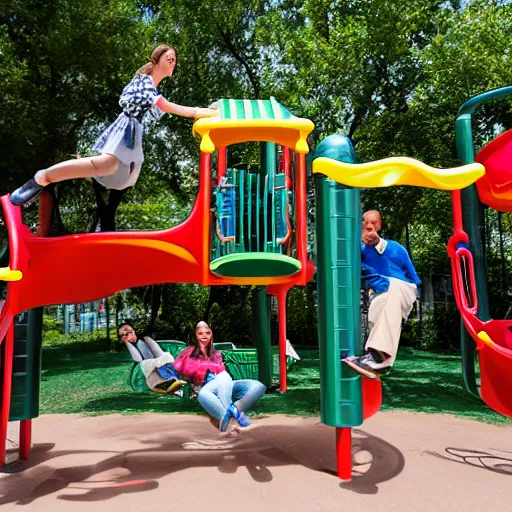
(338, 225)
(261, 333)
(268, 158)
(241, 211)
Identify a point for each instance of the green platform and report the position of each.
(256, 264)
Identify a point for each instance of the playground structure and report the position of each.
(81, 318)
(256, 235)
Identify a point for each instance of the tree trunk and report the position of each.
(156, 299)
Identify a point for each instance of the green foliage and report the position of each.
(75, 342)
(301, 317)
(436, 331)
(63, 75)
(50, 323)
(182, 307)
(231, 316)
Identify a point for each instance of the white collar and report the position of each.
(381, 246)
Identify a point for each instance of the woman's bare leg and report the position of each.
(89, 167)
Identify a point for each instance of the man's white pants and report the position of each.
(385, 316)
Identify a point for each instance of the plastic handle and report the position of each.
(467, 287)
(222, 238)
(288, 235)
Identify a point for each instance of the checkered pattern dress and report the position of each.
(139, 96)
(123, 138)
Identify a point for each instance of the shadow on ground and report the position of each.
(497, 461)
(263, 447)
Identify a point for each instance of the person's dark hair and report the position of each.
(129, 325)
(156, 55)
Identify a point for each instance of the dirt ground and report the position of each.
(402, 462)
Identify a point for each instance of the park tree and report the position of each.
(65, 63)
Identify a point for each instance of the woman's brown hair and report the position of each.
(156, 55)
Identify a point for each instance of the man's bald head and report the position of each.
(372, 223)
(372, 218)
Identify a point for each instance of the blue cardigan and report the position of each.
(393, 262)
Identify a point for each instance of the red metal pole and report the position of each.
(221, 163)
(25, 438)
(281, 309)
(43, 229)
(6, 396)
(205, 188)
(286, 166)
(457, 212)
(344, 452)
(301, 217)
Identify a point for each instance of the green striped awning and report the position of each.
(252, 120)
(253, 109)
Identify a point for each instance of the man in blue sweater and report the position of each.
(389, 272)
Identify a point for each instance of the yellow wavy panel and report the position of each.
(398, 171)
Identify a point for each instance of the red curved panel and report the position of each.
(495, 358)
(487, 197)
(496, 157)
(496, 185)
(496, 379)
(80, 268)
(372, 396)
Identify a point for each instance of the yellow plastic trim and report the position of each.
(485, 338)
(6, 274)
(158, 245)
(398, 171)
(216, 132)
(255, 281)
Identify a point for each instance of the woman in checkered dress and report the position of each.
(117, 167)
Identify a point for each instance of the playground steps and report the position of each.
(26, 368)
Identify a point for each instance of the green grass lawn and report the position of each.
(96, 383)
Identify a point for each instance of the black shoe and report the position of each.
(367, 366)
(26, 193)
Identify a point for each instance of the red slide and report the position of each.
(493, 338)
(495, 186)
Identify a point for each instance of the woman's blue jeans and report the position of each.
(218, 394)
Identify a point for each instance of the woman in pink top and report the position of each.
(220, 396)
